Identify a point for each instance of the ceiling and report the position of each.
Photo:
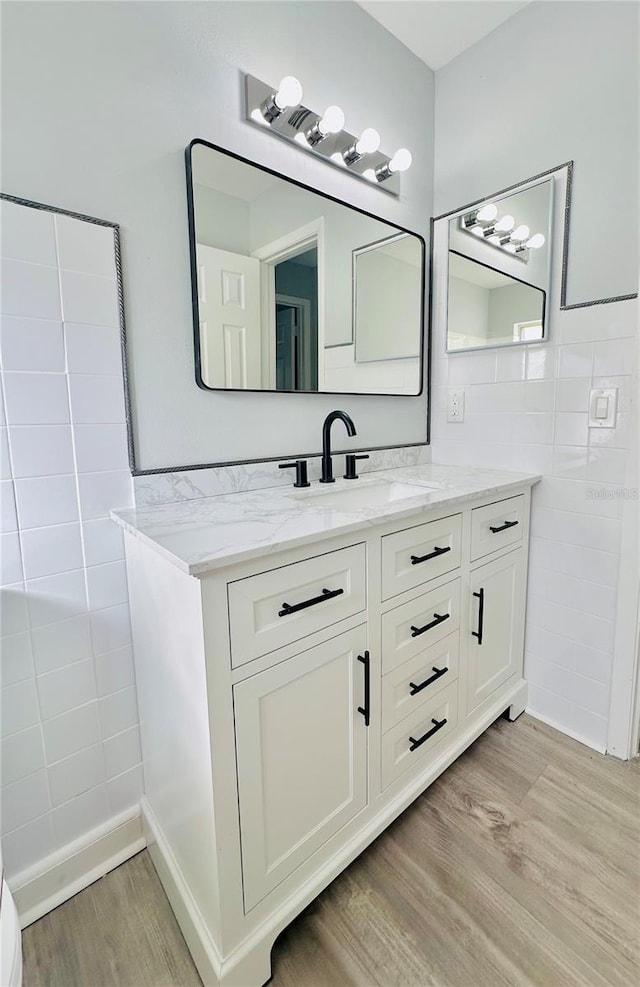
(438, 30)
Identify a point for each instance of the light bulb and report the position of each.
(536, 241)
(510, 248)
(505, 224)
(370, 175)
(369, 141)
(401, 160)
(337, 158)
(494, 239)
(477, 231)
(289, 93)
(301, 139)
(487, 212)
(521, 233)
(332, 121)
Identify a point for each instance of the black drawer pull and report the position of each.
(327, 594)
(413, 744)
(417, 559)
(438, 618)
(503, 527)
(437, 672)
(479, 632)
(366, 709)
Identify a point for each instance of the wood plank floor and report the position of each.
(519, 866)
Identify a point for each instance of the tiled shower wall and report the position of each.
(526, 408)
(70, 749)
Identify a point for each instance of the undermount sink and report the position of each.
(363, 495)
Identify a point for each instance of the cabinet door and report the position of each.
(301, 757)
(496, 614)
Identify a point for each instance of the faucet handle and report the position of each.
(300, 466)
(350, 462)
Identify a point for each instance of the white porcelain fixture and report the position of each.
(10, 937)
(328, 661)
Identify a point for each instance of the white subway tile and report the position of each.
(27, 234)
(8, 516)
(541, 643)
(71, 732)
(16, 659)
(535, 458)
(602, 534)
(594, 664)
(577, 593)
(89, 298)
(482, 367)
(578, 626)
(96, 399)
(36, 399)
(613, 356)
(41, 450)
(572, 429)
(31, 344)
(47, 500)
(122, 752)
(118, 712)
(573, 394)
(570, 461)
(458, 369)
(5, 461)
(541, 362)
(590, 694)
(76, 774)
(19, 707)
(101, 448)
(107, 585)
(80, 815)
(539, 395)
(126, 790)
(574, 560)
(93, 349)
(54, 598)
(115, 671)
(583, 723)
(10, 559)
(100, 493)
(21, 754)
(511, 363)
(14, 617)
(47, 551)
(607, 465)
(30, 290)
(32, 842)
(60, 644)
(103, 542)
(24, 800)
(85, 246)
(110, 629)
(624, 385)
(621, 437)
(576, 360)
(576, 497)
(66, 688)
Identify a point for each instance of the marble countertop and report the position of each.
(201, 535)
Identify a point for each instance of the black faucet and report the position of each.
(327, 465)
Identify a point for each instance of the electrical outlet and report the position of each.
(455, 406)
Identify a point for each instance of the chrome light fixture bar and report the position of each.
(502, 233)
(281, 111)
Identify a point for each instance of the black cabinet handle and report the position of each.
(438, 619)
(366, 709)
(417, 559)
(413, 744)
(327, 594)
(437, 672)
(503, 527)
(478, 633)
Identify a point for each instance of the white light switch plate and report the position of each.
(455, 406)
(603, 404)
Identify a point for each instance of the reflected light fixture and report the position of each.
(280, 110)
(502, 233)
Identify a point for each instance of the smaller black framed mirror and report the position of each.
(296, 291)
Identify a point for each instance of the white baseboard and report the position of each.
(39, 889)
(563, 729)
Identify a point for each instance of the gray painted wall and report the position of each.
(543, 88)
(100, 126)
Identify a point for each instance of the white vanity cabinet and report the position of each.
(295, 699)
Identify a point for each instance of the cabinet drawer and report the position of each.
(409, 743)
(418, 554)
(275, 608)
(414, 626)
(496, 526)
(408, 687)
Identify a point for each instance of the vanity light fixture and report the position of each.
(502, 233)
(280, 110)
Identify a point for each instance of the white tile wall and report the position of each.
(70, 750)
(531, 414)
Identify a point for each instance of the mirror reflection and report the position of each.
(296, 292)
(499, 264)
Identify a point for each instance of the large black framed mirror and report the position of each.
(296, 291)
